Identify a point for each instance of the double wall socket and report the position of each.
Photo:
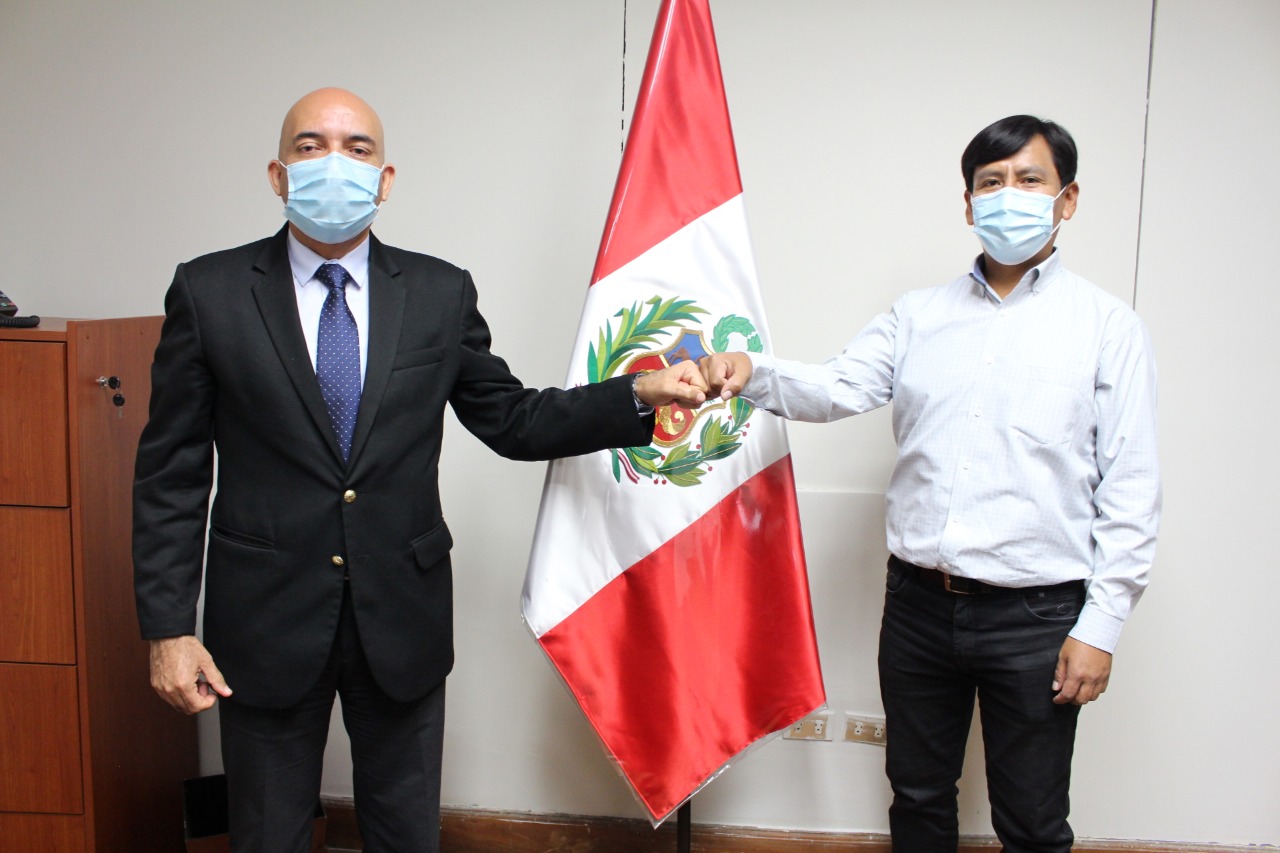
(863, 729)
(812, 727)
(858, 728)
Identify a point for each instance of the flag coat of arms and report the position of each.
(667, 583)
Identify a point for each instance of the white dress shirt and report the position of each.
(1026, 432)
(312, 292)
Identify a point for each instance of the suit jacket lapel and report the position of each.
(386, 314)
(278, 304)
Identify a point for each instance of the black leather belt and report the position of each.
(968, 586)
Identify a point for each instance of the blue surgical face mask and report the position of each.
(332, 199)
(1013, 224)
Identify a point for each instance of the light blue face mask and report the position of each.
(1013, 224)
(332, 199)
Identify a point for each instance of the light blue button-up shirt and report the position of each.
(1026, 432)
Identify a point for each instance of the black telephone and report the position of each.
(8, 321)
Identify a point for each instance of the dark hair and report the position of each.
(1008, 136)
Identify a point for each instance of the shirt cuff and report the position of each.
(761, 373)
(1097, 629)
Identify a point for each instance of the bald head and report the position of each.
(322, 123)
(336, 120)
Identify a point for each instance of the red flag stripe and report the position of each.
(701, 648)
(680, 162)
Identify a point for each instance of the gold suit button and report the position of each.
(338, 561)
(349, 496)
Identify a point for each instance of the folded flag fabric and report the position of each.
(667, 583)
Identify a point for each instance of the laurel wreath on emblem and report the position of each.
(681, 465)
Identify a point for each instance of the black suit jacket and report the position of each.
(289, 519)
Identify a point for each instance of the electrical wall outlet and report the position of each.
(812, 727)
(860, 728)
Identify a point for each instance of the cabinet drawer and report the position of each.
(33, 424)
(37, 614)
(42, 833)
(39, 740)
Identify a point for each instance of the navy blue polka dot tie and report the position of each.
(338, 356)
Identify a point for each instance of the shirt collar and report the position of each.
(1037, 279)
(305, 262)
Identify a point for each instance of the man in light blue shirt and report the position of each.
(1022, 512)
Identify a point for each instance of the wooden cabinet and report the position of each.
(91, 760)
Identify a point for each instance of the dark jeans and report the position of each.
(273, 760)
(937, 650)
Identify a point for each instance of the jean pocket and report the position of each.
(897, 576)
(1054, 605)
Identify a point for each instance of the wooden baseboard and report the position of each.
(482, 831)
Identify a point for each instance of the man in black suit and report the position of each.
(318, 362)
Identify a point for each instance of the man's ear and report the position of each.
(968, 207)
(385, 181)
(278, 176)
(1070, 196)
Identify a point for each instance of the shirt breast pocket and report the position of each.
(1049, 409)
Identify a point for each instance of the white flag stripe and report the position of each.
(587, 537)
(709, 259)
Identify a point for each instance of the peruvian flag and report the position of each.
(667, 583)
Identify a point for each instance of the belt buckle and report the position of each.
(946, 584)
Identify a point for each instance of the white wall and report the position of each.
(136, 135)
(1198, 717)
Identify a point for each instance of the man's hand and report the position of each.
(182, 672)
(725, 373)
(680, 383)
(1082, 673)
